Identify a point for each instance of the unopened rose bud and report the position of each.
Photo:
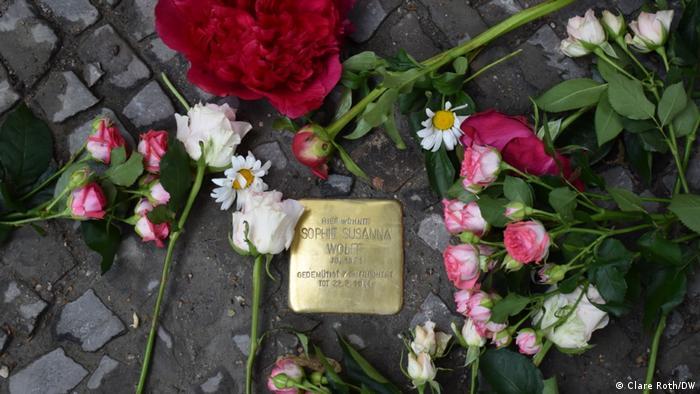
(516, 211)
(317, 378)
(472, 335)
(79, 178)
(311, 150)
(421, 368)
(585, 35)
(650, 30)
(502, 338)
(282, 381)
(528, 342)
(614, 24)
(552, 273)
(511, 265)
(468, 238)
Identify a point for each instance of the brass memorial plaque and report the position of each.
(347, 257)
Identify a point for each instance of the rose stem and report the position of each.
(174, 91)
(654, 351)
(257, 290)
(201, 167)
(440, 60)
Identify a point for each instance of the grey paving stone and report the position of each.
(75, 15)
(140, 16)
(220, 381)
(434, 308)
(629, 6)
(161, 51)
(77, 138)
(26, 41)
(92, 72)
(337, 186)
(433, 232)
(8, 96)
(495, 11)
(504, 86)
(64, 95)
(88, 322)
(692, 173)
(456, 19)
(366, 16)
(242, 342)
(20, 307)
(675, 325)
(618, 177)
(106, 366)
(149, 106)
(543, 48)
(52, 373)
(165, 337)
(271, 151)
(121, 65)
(407, 34)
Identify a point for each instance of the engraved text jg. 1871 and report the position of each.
(347, 257)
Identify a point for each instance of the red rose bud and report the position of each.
(153, 146)
(311, 151)
(103, 139)
(88, 202)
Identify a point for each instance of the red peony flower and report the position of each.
(519, 145)
(286, 51)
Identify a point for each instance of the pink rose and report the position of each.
(476, 305)
(104, 138)
(143, 207)
(480, 167)
(152, 232)
(291, 370)
(88, 202)
(157, 194)
(462, 265)
(153, 146)
(491, 329)
(527, 241)
(460, 217)
(527, 342)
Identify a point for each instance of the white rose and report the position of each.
(421, 368)
(613, 24)
(586, 29)
(471, 334)
(271, 222)
(216, 127)
(426, 340)
(650, 30)
(576, 331)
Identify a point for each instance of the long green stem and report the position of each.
(673, 145)
(175, 92)
(493, 64)
(55, 175)
(606, 59)
(621, 42)
(475, 374)
(539, 357)
(257, 291)
(448, 56)
(201, 168)
(22, 222)
(654, 352)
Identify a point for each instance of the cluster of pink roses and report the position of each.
(88, 200)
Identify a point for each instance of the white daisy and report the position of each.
(441, 126)
(244, 177)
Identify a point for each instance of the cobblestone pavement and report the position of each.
(66, 328)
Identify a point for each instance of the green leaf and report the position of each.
(398, 80)
(361, 128)
(457, 191)
(563, 200)
(628, 99)
(687, 120)
(283, 123)
(608, 123)
(666, 291)
(161, 214)
(363, 61)
(345, 103)
(26, 148)
(103, 237)
(660, 251)
(516, 189)
(126, 173)
(402, 61)
(441, 172)
(334, 381)
(175, 173)
(685, 39)
(393, 132)
(550, 386)
(117, 156)
(377, 114)
(510, 373)
(493, 210)
(571, 94)
(687, 208)
(626, 200)
(653, 141)
(461, 64)
(448, 83)
(640, 159)
(359, 369)
(511, 305)
(673, 101)
(349, 162)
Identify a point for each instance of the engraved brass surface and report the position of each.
(347, 257)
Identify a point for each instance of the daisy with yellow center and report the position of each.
(244, 177)
(441, 127)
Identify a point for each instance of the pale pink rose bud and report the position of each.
(517, 211)
(492, 328)
(283, 377)
(650, 30)
(586, 29)
(421, 369)
(480, 167)
(462, 265)
(143, 207)
(511, 265)
(614, 24)
(424, 338)
(152, 232)
(552, 273)
(462, 301)
(526, 242)
(501, 338)
(461, 217)
(153, 146)
(527, 341)
(472, 335)
(104, 138)
(479, 307)
(157, 194)
(88, 202)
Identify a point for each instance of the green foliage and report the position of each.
(607, 273)
(349, 162)
(608, 123)
(516, 189)
(687, 120)
(628, 99)
(571, 94)
(510, 373)
(626, 200)
(124, 172)
(673, 102)
(493, 210)
(161, 214)
(103, 237)
(441, 172)
(563, 200)
(359, 370)
(655, 248)
(511, 305)
(687, 208)
(175, 173)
